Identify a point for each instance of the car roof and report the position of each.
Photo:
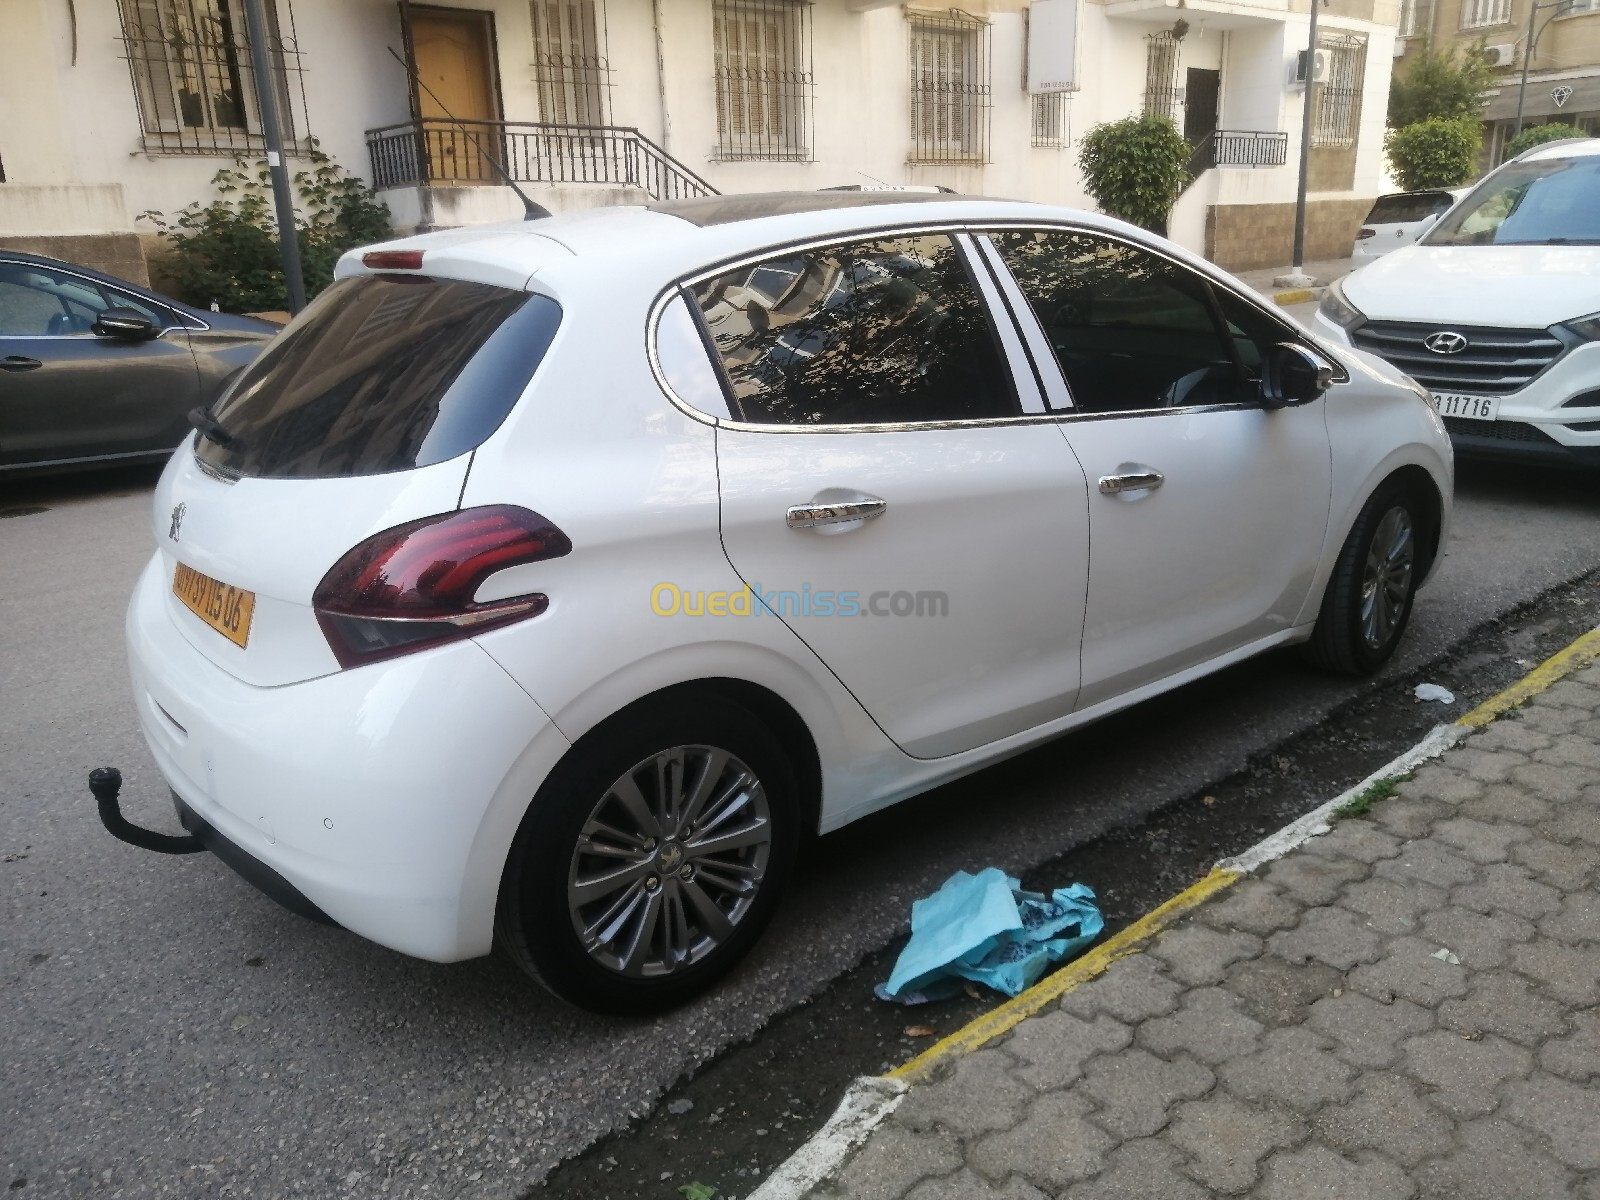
(680, 236)
(1563, 148)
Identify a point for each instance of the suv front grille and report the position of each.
(1494, 362)
(1505, 431)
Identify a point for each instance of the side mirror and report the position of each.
(125, 324)
(1293, 375)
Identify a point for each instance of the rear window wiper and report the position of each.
(212, 428)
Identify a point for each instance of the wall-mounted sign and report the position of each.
(1561, 94)
(1053, 46)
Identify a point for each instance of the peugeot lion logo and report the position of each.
(1445, 342)
(177, 520)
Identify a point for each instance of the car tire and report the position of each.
(616, 896)
(1368, 599)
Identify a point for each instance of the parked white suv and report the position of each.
(1497, 309)
(548, 582)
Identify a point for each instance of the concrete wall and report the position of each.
(89, 130)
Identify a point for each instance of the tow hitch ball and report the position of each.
(106, 783)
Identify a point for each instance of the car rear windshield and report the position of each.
(1407, 206)
(382, 373)
(1542, 202)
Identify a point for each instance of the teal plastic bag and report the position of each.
(985, 928)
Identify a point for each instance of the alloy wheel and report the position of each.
(1386, 579)
(669, 861)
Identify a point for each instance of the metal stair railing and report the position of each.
(445, 152)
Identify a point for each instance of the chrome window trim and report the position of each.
(967, 226)
(183, 319)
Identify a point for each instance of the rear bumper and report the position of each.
(250, 868)
(382, 799)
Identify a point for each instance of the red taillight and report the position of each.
(413, 585)
(392, 260)
(1363, 234)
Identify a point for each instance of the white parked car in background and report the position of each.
(1399, 219)
(546, 583)
(1497, 309)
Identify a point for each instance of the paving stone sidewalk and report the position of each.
(1408, 1006)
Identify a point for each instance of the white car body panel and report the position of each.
(1524, 286)
(388, 793)
(1260, 474)
(992, 518)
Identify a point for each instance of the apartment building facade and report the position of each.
(1563, 85)
(117, 108)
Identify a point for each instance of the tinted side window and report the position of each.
(1130, 329)
(887, 331)
(383, 373)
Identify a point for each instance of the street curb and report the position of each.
(1298, 296)
(1052, 987)
(870, 1100)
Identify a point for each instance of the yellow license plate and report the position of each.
(222, 606)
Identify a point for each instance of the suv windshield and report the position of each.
(382, 373)
(1549, 202)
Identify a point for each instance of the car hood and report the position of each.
(1530, 286)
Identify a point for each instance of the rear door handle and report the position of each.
(15, 362)
(835, 506)
(1134, 479)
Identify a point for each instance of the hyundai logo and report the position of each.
(1445, 342)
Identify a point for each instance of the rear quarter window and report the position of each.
(383, 373)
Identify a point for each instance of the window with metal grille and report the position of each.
(1051, 111)
(1337, 119)
(570, 70)
(949, 87)
(193, 79)
(763, 78)
(1477, 13)
(1161, 74)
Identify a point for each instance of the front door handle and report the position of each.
(835, 506)
(15, 362)
(1131, 479)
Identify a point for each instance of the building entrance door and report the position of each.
(454, 52)
(1202, 88)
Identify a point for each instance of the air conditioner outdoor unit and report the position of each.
(1502, 55)
(1320, 70)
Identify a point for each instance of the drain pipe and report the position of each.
(656, 7)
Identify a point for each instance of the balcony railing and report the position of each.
(446, 153)
(1239, 148)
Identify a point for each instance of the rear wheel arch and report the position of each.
(759, 734)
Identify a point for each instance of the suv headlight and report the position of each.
(1587, 328)
(1337, 309)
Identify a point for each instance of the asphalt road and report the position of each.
(168, 1031)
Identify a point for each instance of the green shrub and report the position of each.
(1447, 84)
(1436, 153)
(227, 250)
(1538, 135)
(1135, 168)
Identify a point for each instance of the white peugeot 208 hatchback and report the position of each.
(544, 584)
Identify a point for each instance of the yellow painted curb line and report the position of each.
(1296, 296)
(1052, 987)
(982, 1030)
(1574, 657)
